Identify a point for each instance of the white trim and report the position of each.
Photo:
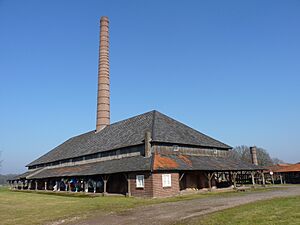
(166, 180)
(140, 181)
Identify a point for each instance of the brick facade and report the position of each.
(159, 190)
(147, 191)
(153, 186)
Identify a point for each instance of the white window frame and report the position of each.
(166, 180)
(139, 178)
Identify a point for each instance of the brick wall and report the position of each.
(159, 190)
(147, 191)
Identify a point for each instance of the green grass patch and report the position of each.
(267, 212)
(25, 207)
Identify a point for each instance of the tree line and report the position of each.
(4, 178)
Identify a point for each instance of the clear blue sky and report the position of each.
(230, 69)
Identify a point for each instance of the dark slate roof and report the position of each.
(158, 162)
(168, 130)
(129, 164)
(206, 163)
(130, 132)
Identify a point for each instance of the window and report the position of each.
(166, 180)
(175, 148)
(139, 181)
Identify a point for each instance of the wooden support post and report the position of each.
(86, 186)
(263, 179)
(22, 185)
(182, 175)
(281, 181)
(95, 186)
(104, 186)
(45, 185)
(29, 185)
(105, 179)
(58, 187)
(69, 187)
(241, 177)
(230, 177)
(56, 184)
(209, 177)
(253, 179)
(36, 185)
(128, 185)
(234, 174)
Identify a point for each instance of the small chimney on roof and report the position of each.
(148, 140)
(253, 155)
(103, 99)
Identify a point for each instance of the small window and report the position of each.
(139, 181)
(175, 148)
(166, 180)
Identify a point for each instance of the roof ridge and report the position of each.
(187, 126)
(120, 121)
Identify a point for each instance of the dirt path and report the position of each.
(167, 213)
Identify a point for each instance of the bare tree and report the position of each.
(264, 157)
(243, 153)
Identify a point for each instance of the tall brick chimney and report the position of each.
(103, 100)
(253, 155)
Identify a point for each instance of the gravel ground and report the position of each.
(168, 213)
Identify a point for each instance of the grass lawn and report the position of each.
(18, 207)
(268, 212)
